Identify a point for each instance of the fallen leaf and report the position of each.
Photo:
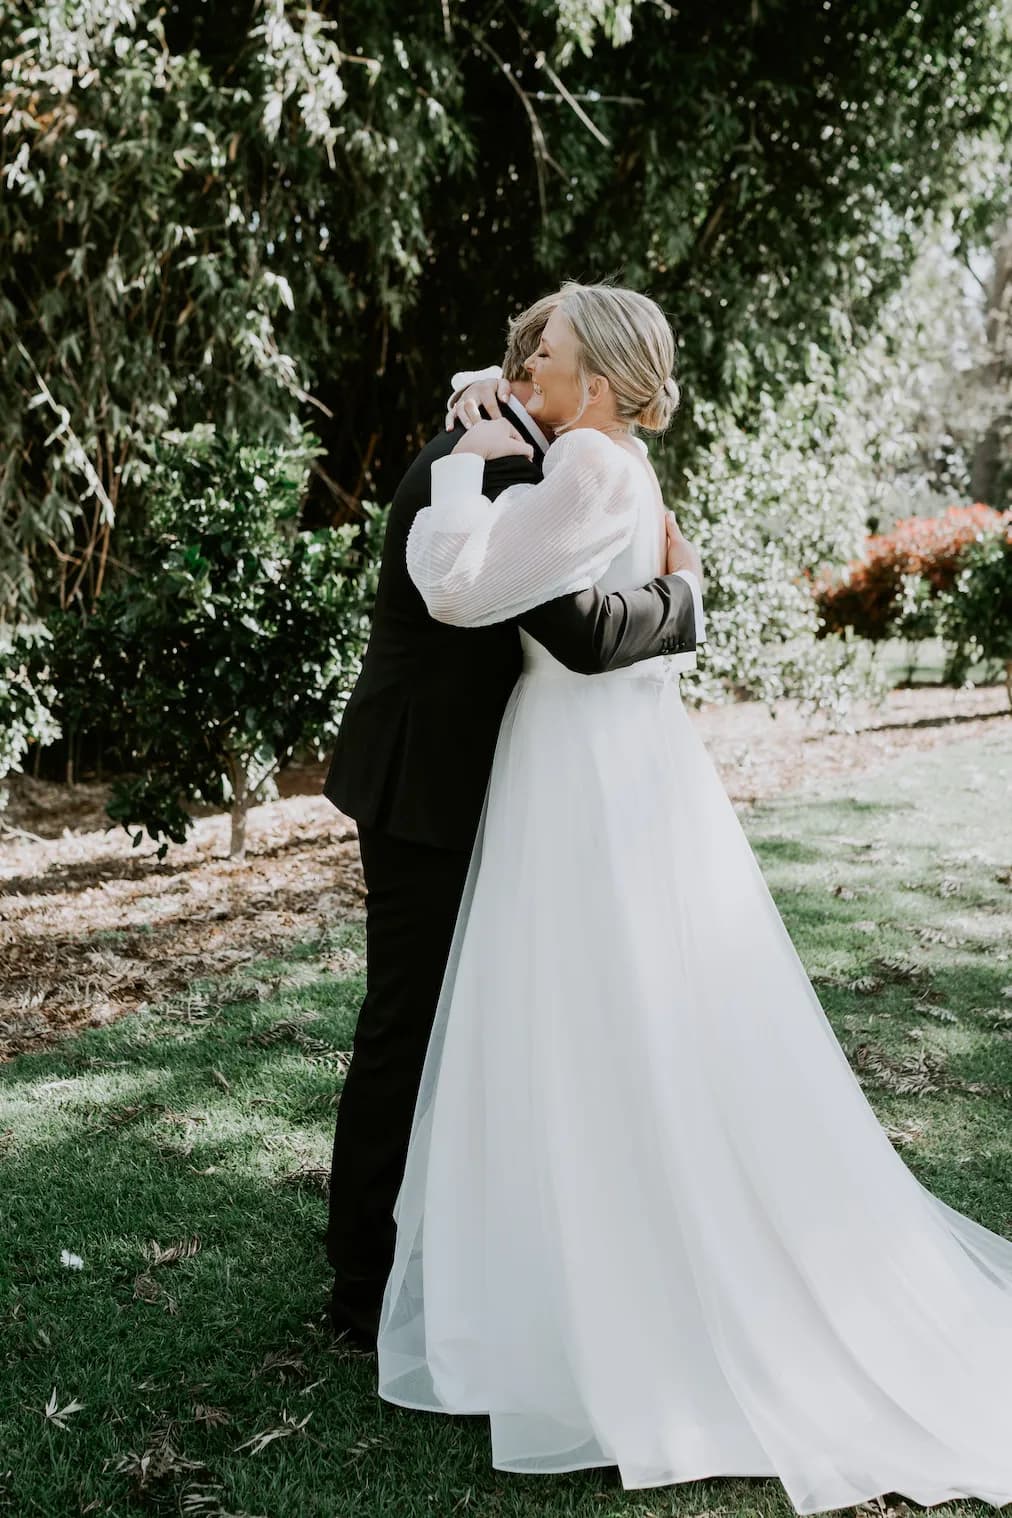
(183, 1250)
(283, 1430)
(56, 1414)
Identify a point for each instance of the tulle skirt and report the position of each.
(648, 1218)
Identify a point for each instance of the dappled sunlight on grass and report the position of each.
(205, 1123)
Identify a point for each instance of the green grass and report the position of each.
(176, 1122)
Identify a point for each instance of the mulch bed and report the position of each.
(91, 928)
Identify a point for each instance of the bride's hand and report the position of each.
(482, 393)
(494, 440)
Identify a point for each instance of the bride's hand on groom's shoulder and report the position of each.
(467, 404)
(494, 440)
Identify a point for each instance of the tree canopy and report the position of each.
(250, 215)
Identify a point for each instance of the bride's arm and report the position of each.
(476, 562)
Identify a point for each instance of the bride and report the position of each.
(648, 1218)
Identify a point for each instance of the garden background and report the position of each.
(242, 249)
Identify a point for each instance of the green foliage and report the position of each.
(242, 222)
(27, 699)
(976, 614)
(182, 240)
(231, 641)
(762, 504)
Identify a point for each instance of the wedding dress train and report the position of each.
(648, 1218)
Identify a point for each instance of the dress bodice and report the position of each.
(641, 560)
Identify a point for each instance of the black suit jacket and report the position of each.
(415, 747)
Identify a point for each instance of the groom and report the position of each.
(411, 765)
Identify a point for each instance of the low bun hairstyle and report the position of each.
(656, 414)
(627, 338)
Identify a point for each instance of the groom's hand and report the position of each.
(681, 553)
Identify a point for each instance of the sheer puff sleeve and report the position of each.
(476, 562)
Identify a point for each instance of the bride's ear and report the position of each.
(597, 388)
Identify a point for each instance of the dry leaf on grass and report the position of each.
(940, 1014)
(281, 1361)
(366, 1445)
(905, 1074)
(316, 1178)
(898, 967)
(293, 1030)
(160, 1458)
(916, 1074)
(147, 1289)
(56, 1415)
(929, 935)
(205, 1502)
(212, 1416)
(284, 1430)
(906, 1132)
(117, 1117)
(183, 1250)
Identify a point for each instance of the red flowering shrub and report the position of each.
(870, 596)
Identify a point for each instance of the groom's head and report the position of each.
(523, 337)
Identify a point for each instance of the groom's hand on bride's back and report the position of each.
(494, 440)
(681, 553)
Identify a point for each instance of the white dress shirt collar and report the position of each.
(529, 422)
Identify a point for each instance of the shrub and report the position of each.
(233, 639)
(894, 588)
(975, 617)
(27, 698)
(763, 504)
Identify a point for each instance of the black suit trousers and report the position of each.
(413, 896)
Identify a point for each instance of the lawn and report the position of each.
(161, 1269)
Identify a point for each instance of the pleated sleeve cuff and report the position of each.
(456, 490)
(692, 582)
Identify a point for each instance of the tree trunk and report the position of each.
(240, 806)
(989, 455)
(237, 847)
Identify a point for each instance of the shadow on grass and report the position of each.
(954, 721)
(220, 1123)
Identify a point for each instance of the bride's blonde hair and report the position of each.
(626, 337)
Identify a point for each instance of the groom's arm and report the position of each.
(592, 631)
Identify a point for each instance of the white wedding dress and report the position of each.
(648, 1218)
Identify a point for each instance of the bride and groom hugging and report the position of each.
(601, 1170)
(413, 759)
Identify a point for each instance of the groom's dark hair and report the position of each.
(524, 334)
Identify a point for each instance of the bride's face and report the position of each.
(553, 370)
